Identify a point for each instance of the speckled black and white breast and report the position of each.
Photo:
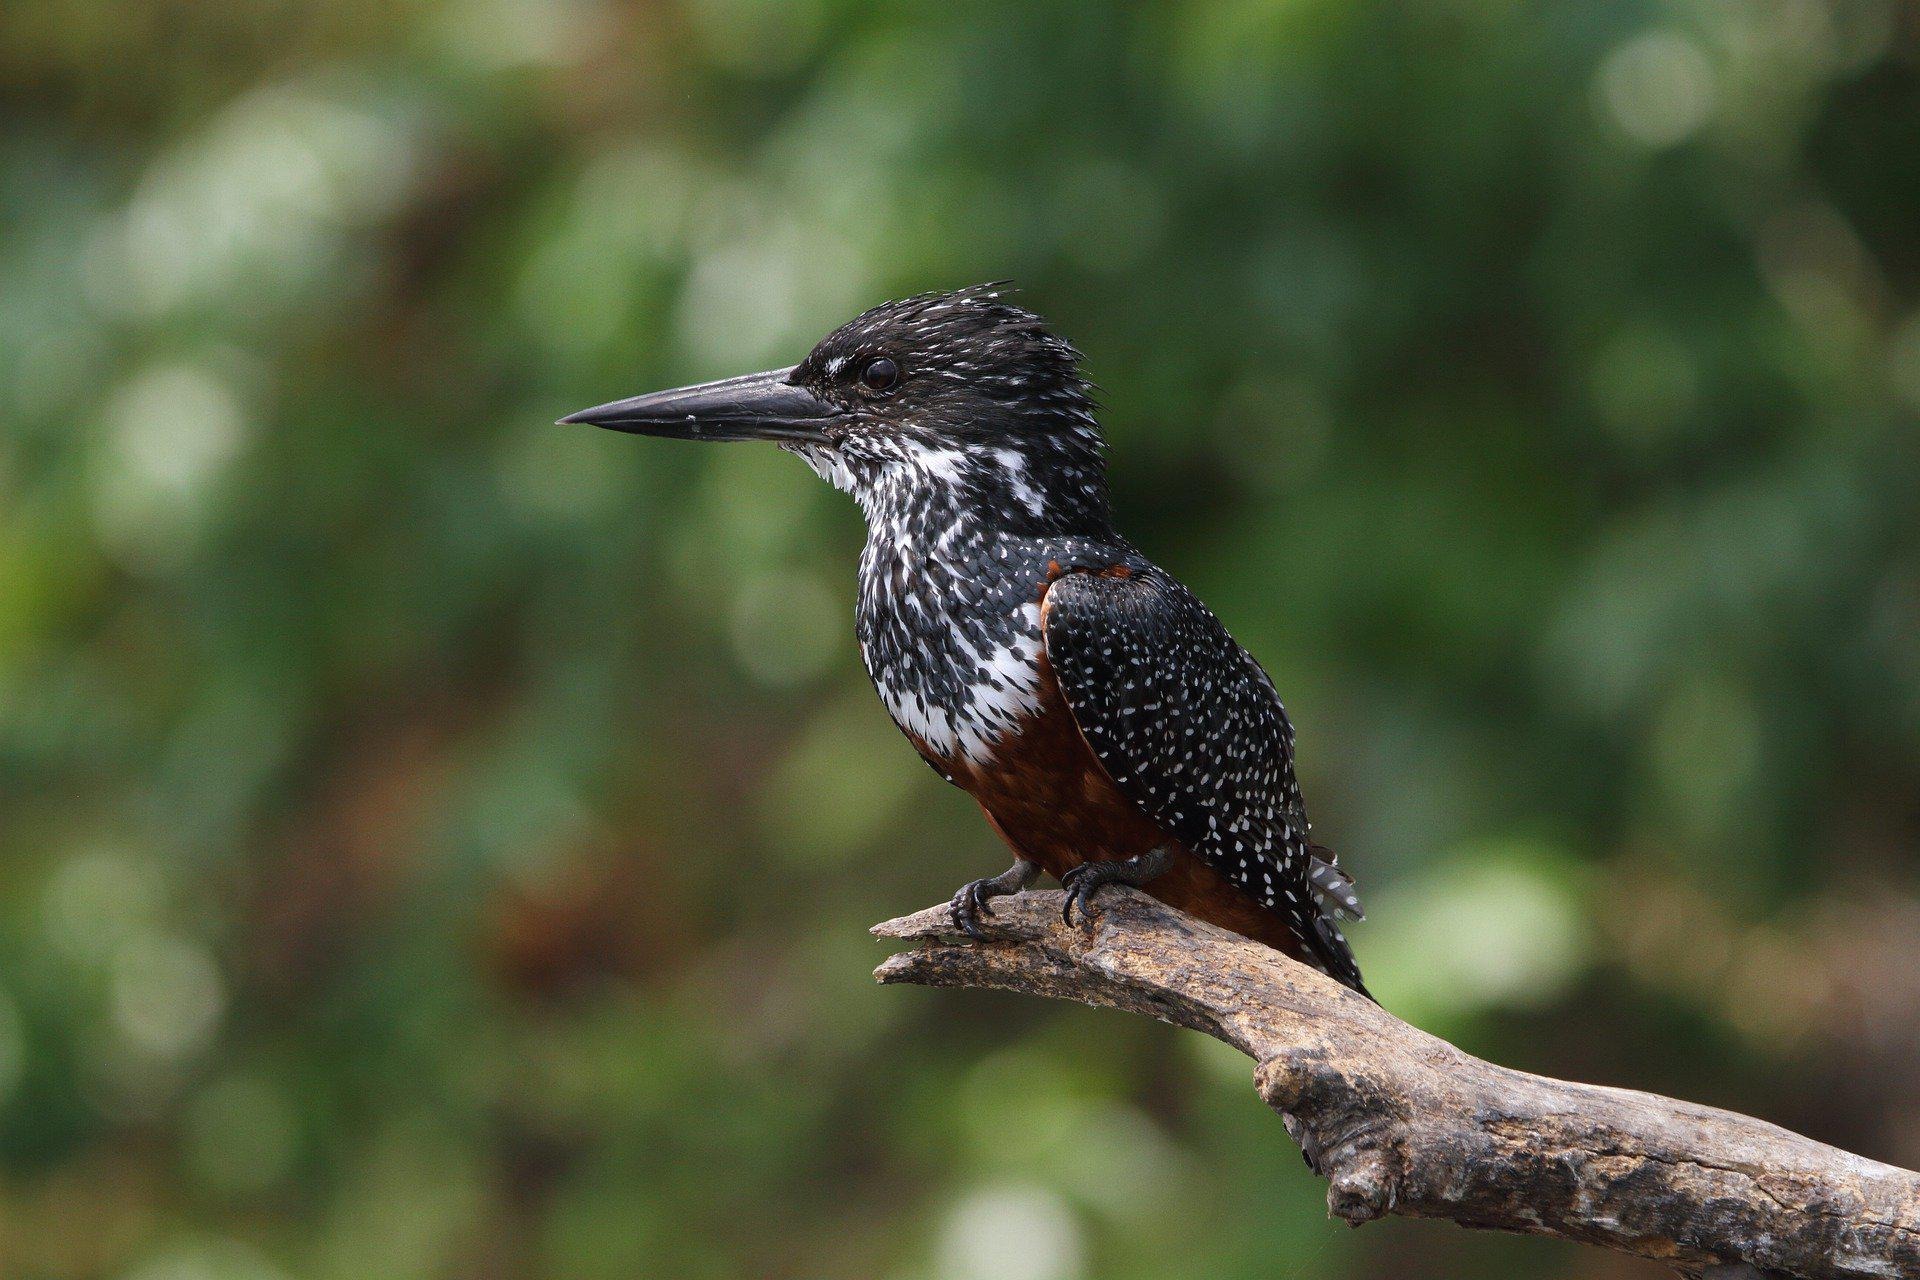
(948, 615)
(952, 643)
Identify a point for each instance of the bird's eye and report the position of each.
(879, 374)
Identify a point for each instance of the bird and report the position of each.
(1105, 722)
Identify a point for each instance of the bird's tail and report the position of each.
(1334, 897)
(1332, 886)
(1330, 950)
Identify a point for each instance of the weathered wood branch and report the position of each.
(1402, 1122)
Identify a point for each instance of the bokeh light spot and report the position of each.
(1011, 1232)
(786, 627)
(1657, 87)
(167, 994)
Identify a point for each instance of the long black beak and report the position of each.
(758, 406)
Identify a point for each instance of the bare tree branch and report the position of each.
(1402, 1122)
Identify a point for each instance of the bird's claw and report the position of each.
(1081, 884)
(971, 902)
(1083, 881)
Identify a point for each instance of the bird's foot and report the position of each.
(970, 901)
(1083, 881)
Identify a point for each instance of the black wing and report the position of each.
(1192, 731)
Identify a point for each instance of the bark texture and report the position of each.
(1401, 1122)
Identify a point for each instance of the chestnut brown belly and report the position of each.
(1052, 801)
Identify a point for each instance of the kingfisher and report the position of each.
(1109, 728)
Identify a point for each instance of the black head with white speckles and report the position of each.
(966, 392)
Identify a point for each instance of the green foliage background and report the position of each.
(434, 843)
